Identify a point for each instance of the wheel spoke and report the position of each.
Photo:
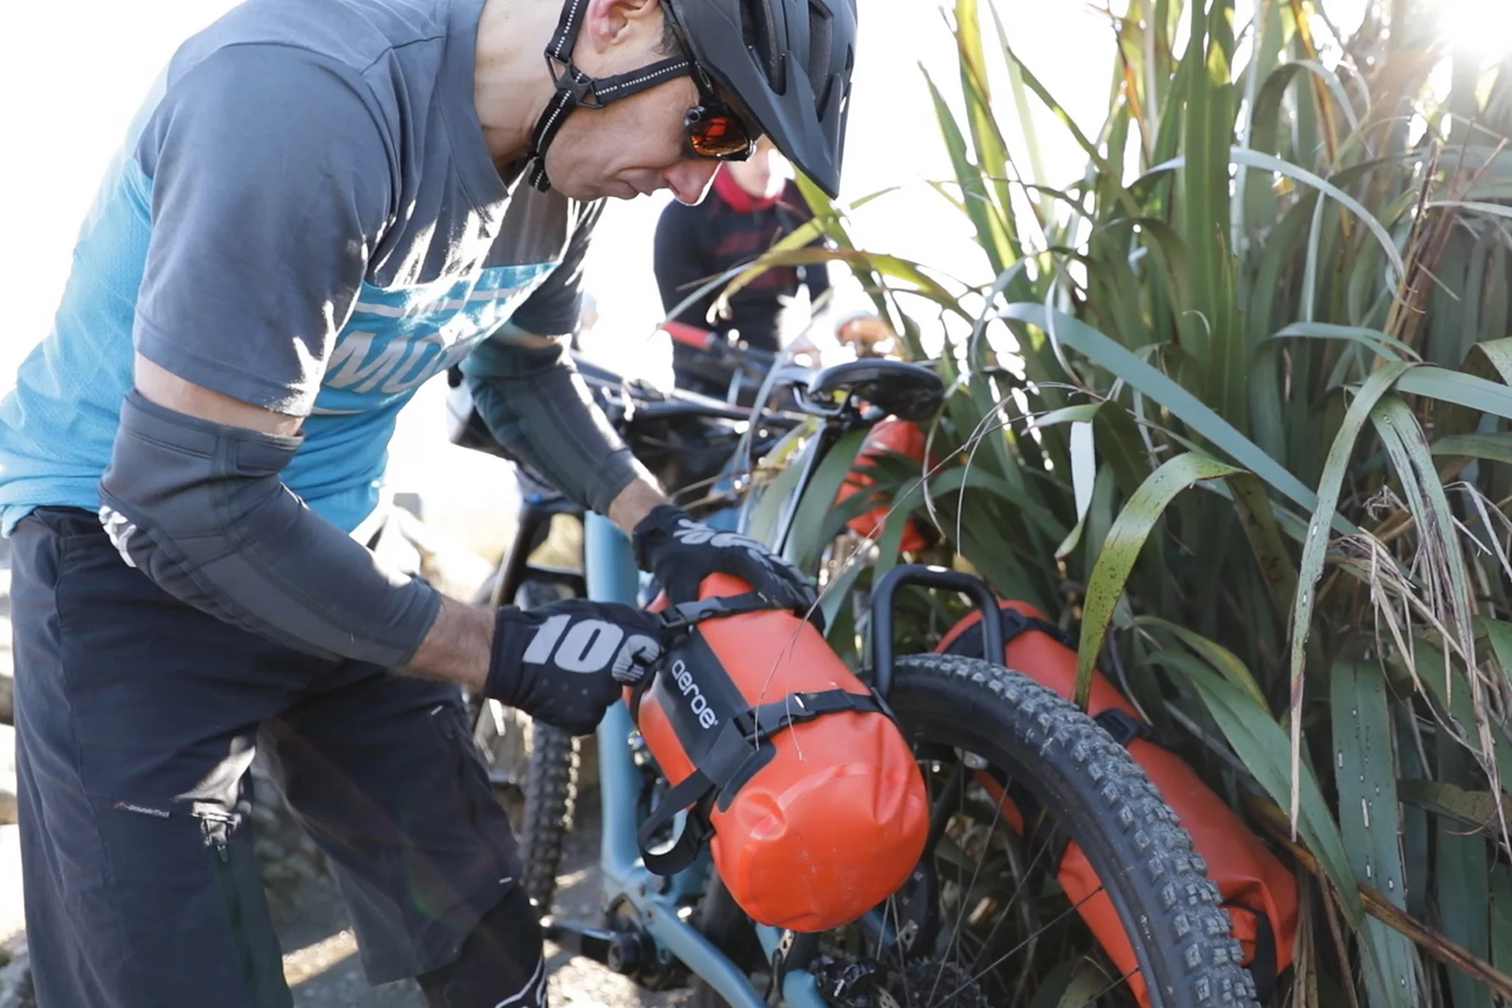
(1010, 953)
(1024, 875)
(997, 815)
(941, 814)
(897, 945)
(1013, 919)
(1121, 979)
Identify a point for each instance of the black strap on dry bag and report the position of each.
(735, 755)
(742, 745)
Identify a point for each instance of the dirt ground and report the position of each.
(321, 961)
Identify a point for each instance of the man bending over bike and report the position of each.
(319, 207)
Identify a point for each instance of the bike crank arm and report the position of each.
(615, 949)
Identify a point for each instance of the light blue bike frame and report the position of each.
(612, 577)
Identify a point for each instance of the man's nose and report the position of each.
(689, 179)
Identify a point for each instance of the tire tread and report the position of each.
(550, 806)
(1184, 909)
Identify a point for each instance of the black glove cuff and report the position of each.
(655, 529)
(503, 672)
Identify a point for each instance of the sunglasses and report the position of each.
(712, 128)
(714, 131)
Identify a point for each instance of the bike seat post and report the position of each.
(813, 455)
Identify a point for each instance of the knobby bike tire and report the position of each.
(551, 783)
(550, 786)
(1099, 797)
(551, 790)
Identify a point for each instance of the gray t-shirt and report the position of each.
(305, 218)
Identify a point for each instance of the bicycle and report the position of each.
(1019, 781)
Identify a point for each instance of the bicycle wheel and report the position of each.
(550, 805)
(983, 920)
(535, 769)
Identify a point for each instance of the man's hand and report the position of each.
(459, 645)
(564, 663)
(682, 552)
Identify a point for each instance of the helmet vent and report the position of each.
(756, 25)
(787, 64)
(821, 50)
(821, 43)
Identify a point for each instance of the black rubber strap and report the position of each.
(796, 708)
(686, 794)
(738, 744)
(688, 614)
(1019, 623)
(1122, 725)
(1262, 965)
(575, 89)
(1014, 623)
(1125, 727)
(682, 853)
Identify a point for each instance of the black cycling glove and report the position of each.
(565, 662)
(682, 552)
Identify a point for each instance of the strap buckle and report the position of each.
(574, 82)
(1125, 727)
(685, 615)
(735, 755)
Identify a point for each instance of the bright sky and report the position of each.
(73, 73)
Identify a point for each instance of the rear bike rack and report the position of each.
(926, 576)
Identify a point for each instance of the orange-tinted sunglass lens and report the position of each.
(717, 134)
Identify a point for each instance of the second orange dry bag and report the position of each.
(1257, 890)
(810, 797)
(891, 435)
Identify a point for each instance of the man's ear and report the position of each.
(609, 24)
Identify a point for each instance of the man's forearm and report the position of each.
(541, 410)
(635, 502)
(162, 506)
(458, 645)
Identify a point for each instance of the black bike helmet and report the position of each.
(786, 62)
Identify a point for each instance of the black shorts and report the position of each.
(136, 720)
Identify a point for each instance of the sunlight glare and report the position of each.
(1482, 27)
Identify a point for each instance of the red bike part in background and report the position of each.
(689, 335)
(891, 435)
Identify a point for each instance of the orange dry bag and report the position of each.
(1257, 890)
(813, 804)
(890, 435)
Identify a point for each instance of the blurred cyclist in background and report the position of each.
(754, 203)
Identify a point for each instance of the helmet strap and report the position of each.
(575, 89)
